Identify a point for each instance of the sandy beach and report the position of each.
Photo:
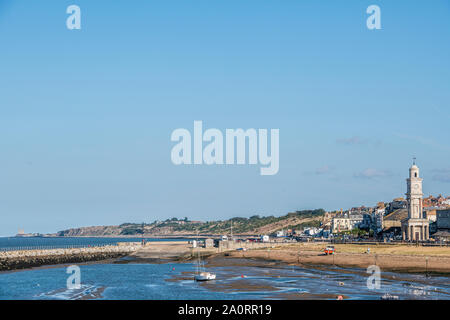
(395, 258)
(300, 271)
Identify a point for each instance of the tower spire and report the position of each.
(414, 161)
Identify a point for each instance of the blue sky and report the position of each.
(86, 115)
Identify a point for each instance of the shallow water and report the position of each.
(174, 281)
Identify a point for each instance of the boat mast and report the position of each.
(231, 229)
(198, 257)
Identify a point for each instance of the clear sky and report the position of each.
(86, 115)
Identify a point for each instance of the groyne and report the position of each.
(22, 259)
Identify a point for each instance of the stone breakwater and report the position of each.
(12, 260)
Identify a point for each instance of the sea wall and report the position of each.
(233, 245)
(12, 260)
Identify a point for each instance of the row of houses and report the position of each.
(385, 219)
(360, 217)
(388, 226)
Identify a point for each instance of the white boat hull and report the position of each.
(205, 276)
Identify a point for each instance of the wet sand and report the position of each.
(407, 259)
(170, 250)
(220, 260)
(307, 296)
(248, 275)
(274, 279)
(395, 258)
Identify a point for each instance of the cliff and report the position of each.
(96, 231)
(255, 225)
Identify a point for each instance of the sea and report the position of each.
(28, 243)
(237, 279)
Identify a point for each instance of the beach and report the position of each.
(401, 258)
(165, 270)
(395, 258)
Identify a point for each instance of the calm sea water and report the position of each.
(236, 279)
(174, 281)
(15, 243)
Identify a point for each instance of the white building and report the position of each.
(340, 223)
(416, 226)
(356, 220)
(377, 220)
(312, 231)
(280, 233)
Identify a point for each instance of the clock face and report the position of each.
(415, 186)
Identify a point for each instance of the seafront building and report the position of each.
(412, 218)
(340, 223)
(442, 224)
(416, 226)
(377, 221)
(443, 219)
(347, 222)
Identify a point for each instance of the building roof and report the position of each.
(397, 215)
(442, 233)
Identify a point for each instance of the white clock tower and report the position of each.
(415, 227)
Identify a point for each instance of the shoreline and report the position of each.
(136, 236)
(399, 259)
(309, 256)
(113, 236)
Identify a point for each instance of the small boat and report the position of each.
(202, 275)
(205, 276)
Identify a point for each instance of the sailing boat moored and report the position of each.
(202, 275)
(205, 276)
